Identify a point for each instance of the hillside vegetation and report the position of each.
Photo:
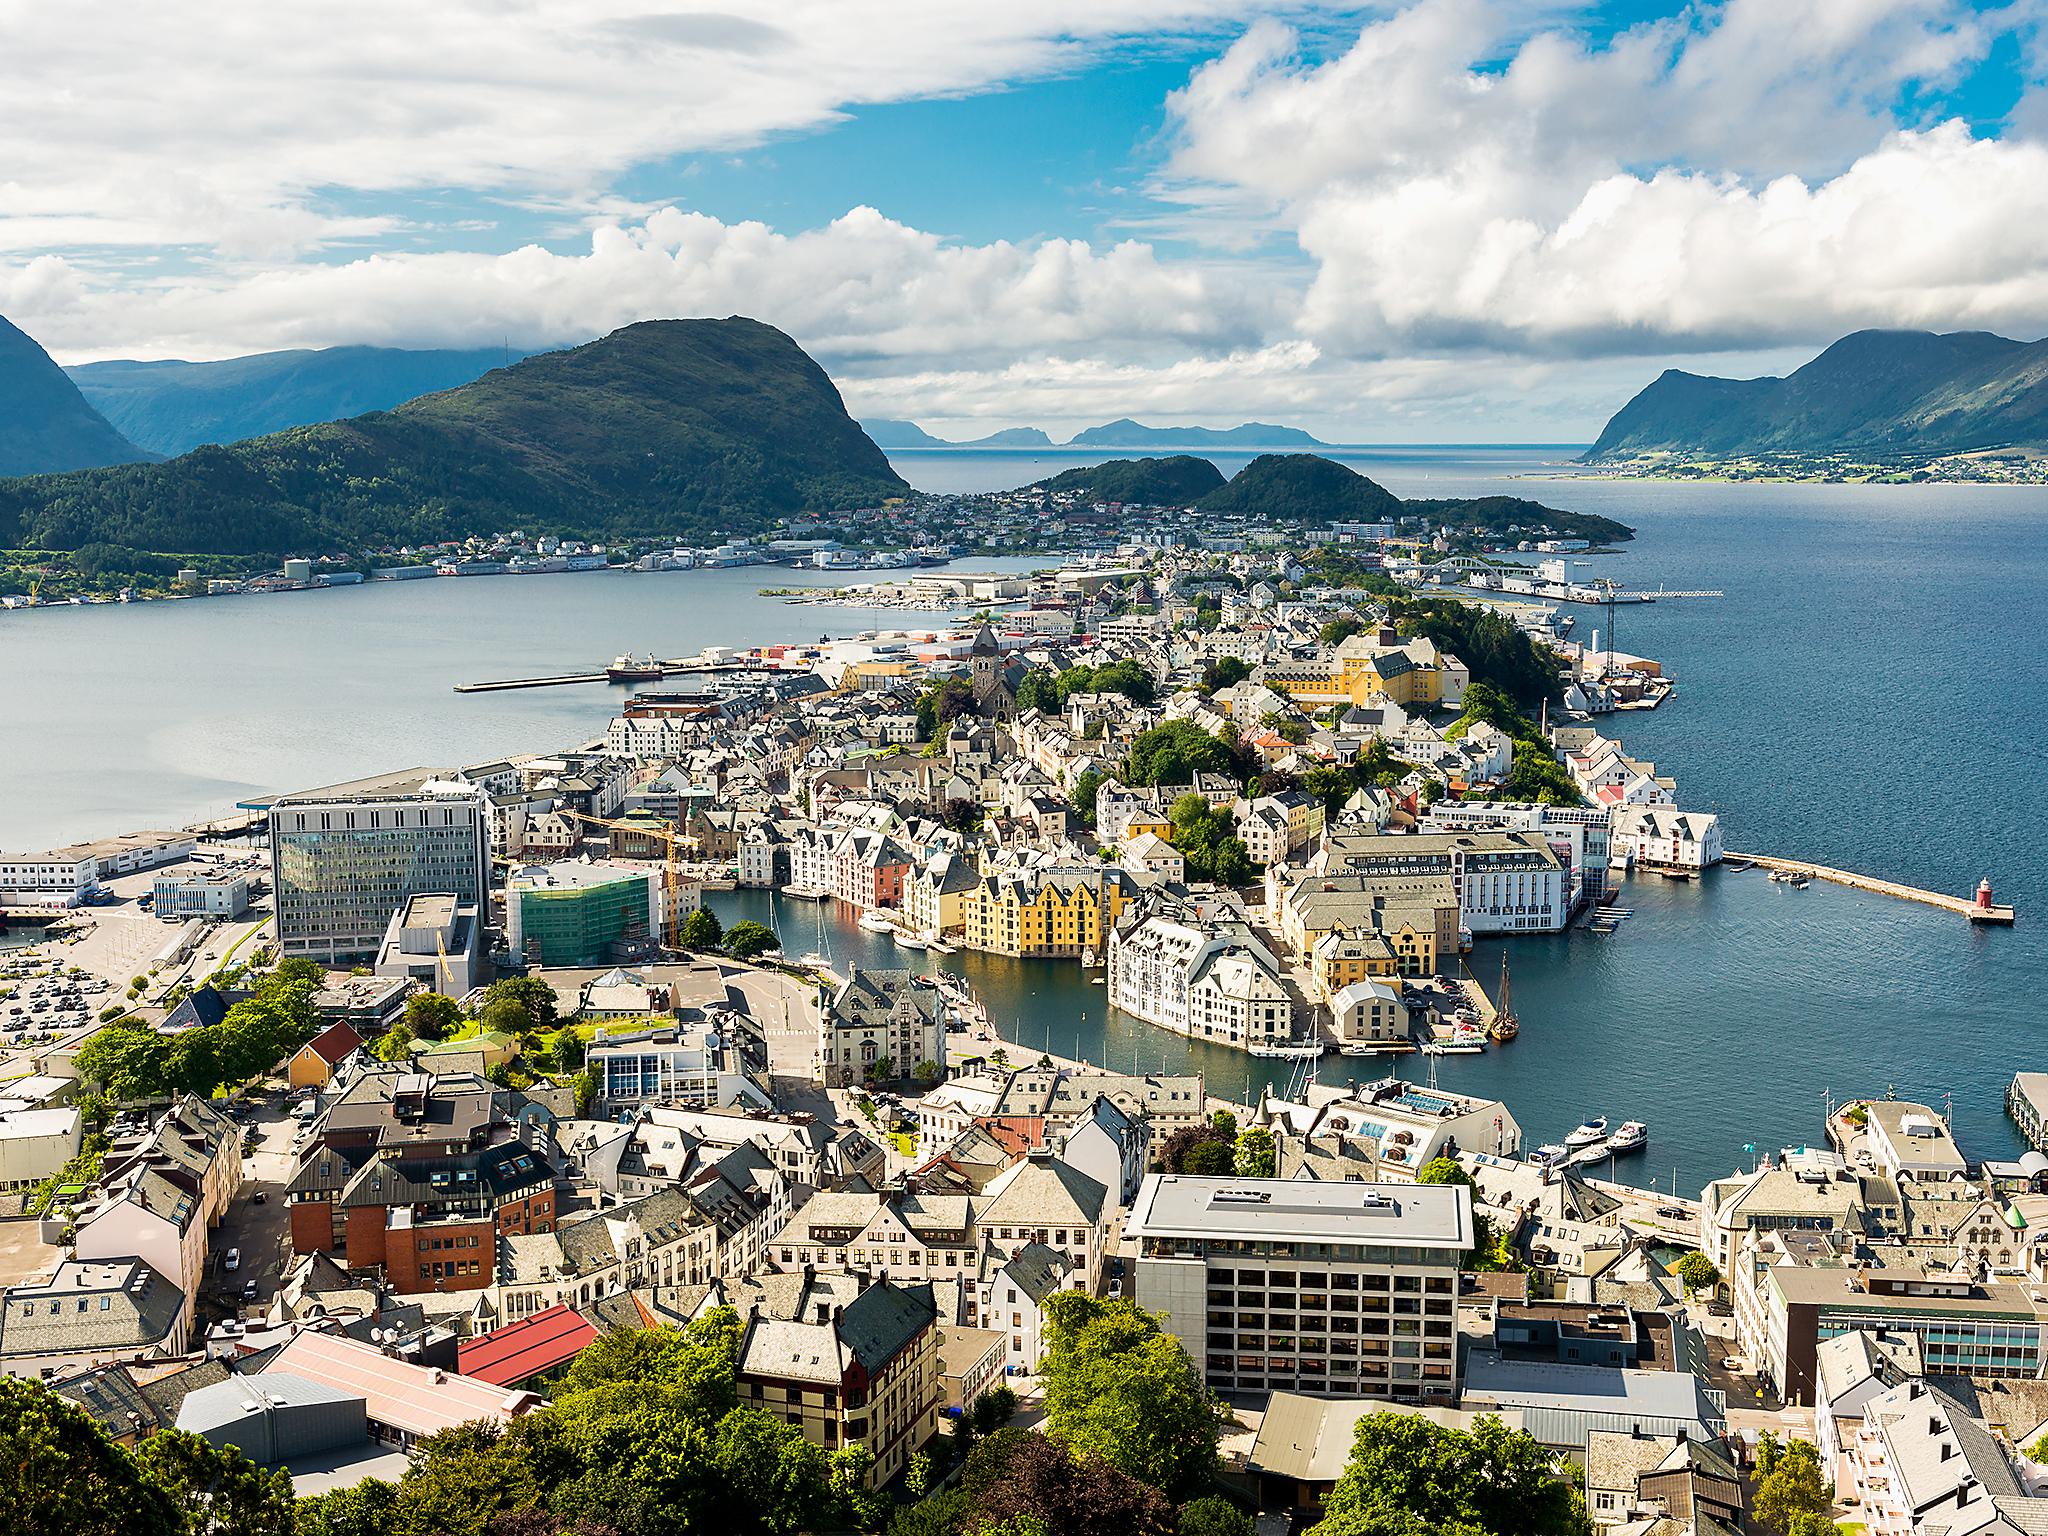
(1875, 392)
(1303, 485)
(690, 428)
(1178, 481)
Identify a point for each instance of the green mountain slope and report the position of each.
(671, 427)
(1876, 392)
(1303, 485)
(173, 407)
(1172, 482)
(45, 423)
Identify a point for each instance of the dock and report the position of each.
(1995, 916)
(505, 684)
(681, 666)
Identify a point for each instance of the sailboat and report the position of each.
(1505, 1025)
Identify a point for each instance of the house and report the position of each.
(1015, 1282)
(313, 1064)
(515, 1355)
(402, 1403)
(1044, 1200)
(1631, 1475)
(880, 1022)
(90, 1313)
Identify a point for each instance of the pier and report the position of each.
(1999, 916)
(506, 684)
(682, 666)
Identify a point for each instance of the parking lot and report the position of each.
(46, 998)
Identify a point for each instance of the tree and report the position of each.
(1224, 672)
(534, 997)
(1174, 753)
(701, 930)
(130, 1059)
(1013, 1474)
(1082, 796)
(66, 1477)
(960, 815)
(1214, 1516)
(1410, 1477)
(1337, 631)
(1697, 1272)
(942, 703)
(1255, 1154)
(1443, 1170)
(747, 939)
(774, 1479)
(1180, 1146)
(364, 1510)
(698, 1361)
(1792, 1489)
(1120, 1390)
(927, 1072)
(430, 1016)
(1208, 1159)
(1039, 690)
(395, 1044)
(218, 1490)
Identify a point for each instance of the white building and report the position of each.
(1222, 986)
(35, 1143)
(1370, 1012)
(1663, 837)
(1403, 1125)
(200, 893)
(1368, 1272)
(61, 878)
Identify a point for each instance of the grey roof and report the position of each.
(1529, 1384)
(113, 1396)
(232, 1401)
(113, 1306)
(1412, 1215)
(1041, 1190)
(1036, 1270)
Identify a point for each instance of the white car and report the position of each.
(234, 1260)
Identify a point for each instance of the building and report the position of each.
(402, 1403)
(64, 877)
(1349, 1289)
(1305, 1441)
(313, 1064)
(200, 893)
(583, 914)
(1505, 882)
(1564, 1405)
(2026, 1100)
(1041, 1199)
(345, 858)
(1924, 1465)
(1663, 837)
(1370, 1012)
(1015, 1282)
(514, 1355)
(1399, 1127)
(88, 1313)
(880, 1023)
(702, 1065)
(275, 1417)
(35, 1142)
(1216, 983)
(1633, 1475)
(434, 939)
(862, 1373)
(1045, 913)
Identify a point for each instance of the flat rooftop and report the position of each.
(384, 786)
(1414, 1215)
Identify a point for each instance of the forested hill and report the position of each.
(172, 407)
(1875, 392)
(691, 428)
(1178, 481)
(45, 424)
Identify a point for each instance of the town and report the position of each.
(392, 1106)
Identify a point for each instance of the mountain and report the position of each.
(1303, 485)
(673, 427)
(908, 434)
(1176, 482)
(174, 407)
(45, 423)
(1125, 433)
(1877, 392)
(902, 434)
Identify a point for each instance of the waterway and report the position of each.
(1868, 694)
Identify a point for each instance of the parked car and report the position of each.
(234, 1260)
(248, 1290)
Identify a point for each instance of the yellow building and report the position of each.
(1044, 913)
(1408, 922)
(1409, 672)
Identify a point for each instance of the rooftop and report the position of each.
(1415, 1215)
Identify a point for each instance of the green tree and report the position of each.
(1697, 1272)
(129, 1058)
(928, 1072)
(775, 1479)
(1213, 1515)
(461, 1480)
(1337, 631)
(1224, 672)
(364, 1510)
(1255, 1154)
(535, 998)
(701, 931)
(1039, 690)
(1120, 1390)
(1013, 1475)
(395, 1044)
(430, 1016)
(747, 939)
(1174, 753)
(1410, 1477)
(1794, 1488)
(63, 1475)
(1208, 1159)
(1082, 796)
(1443, 1170)
(218, 1490)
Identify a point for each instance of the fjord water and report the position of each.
(1869, 693)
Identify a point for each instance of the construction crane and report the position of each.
(672, 869)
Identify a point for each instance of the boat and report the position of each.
(908, 940)
(936, 945)
(633, 669)
(1633, 1136)
(1505, 1025)
(1088, 958)
(1548, 1156)
(1290, 1052)
(874, 922)
(1587, 1134)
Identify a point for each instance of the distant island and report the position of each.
(1875, 405)
(1121, 433)
(1305, 487)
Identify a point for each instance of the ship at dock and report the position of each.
(634, 669)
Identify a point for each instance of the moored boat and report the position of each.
(634, 669)
(1589, 1132)
(874, 922)
(1548, 1156)
(1632, 1136)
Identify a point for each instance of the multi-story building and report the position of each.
(1350, 927)
(1580, 834)
(927, 1237)
(199, 893)
(344, 858)
(1505, 882)
(1399, 1127)
(1347, 1289)
(1924, 1465)
(880, 1018)
(89, 1313)
(1222, 986)
(862, 1372)
(583, 914)
(1663, 837)
(1045, 913)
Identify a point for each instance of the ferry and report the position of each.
(1589, 1132)
(1633, 1136)
(633, 669)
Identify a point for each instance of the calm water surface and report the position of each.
(1870, 692)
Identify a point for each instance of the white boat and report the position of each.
(908, 940)
(1591, 1131)
(1633, 1136)
(1287, 1052)
(1357, 1048)
(1548, 1156)
(874, 922)
(937, 946)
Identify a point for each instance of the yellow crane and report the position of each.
(672, 869)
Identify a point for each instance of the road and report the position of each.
(259, 1231)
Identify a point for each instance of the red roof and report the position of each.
(333, 1043)
(524, 1350)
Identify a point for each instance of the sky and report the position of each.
(1438, 221)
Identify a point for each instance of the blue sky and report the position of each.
(1439, 219)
